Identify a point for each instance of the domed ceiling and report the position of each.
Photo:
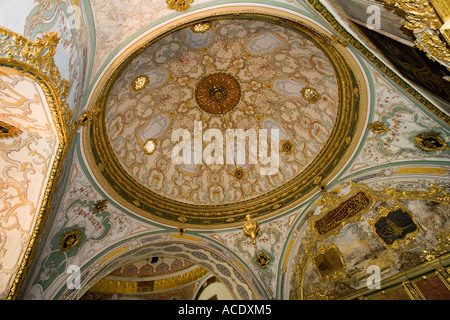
(162, 139)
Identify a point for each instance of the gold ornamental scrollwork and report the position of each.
(378, 127)
(201, 27)
(70, 239)
(431, 34)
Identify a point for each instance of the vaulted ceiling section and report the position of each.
(208, 150)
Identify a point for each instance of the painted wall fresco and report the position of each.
(25, 161)
(115, 21)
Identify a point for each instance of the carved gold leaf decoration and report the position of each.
(8, 130)
(310, 95)
(140, 83)
(422, 19)
(179, 5)
(100, 205)
(238, 174)
(251, 228)
(39, 56)
(442, 248)
(218, 93)
(262, 259)
(286, 146)
(150, 146)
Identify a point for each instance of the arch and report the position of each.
(234, 275)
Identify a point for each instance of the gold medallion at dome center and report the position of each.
(218, 93)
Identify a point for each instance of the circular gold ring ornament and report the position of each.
(218, 93)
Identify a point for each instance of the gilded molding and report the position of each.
(130, 287)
